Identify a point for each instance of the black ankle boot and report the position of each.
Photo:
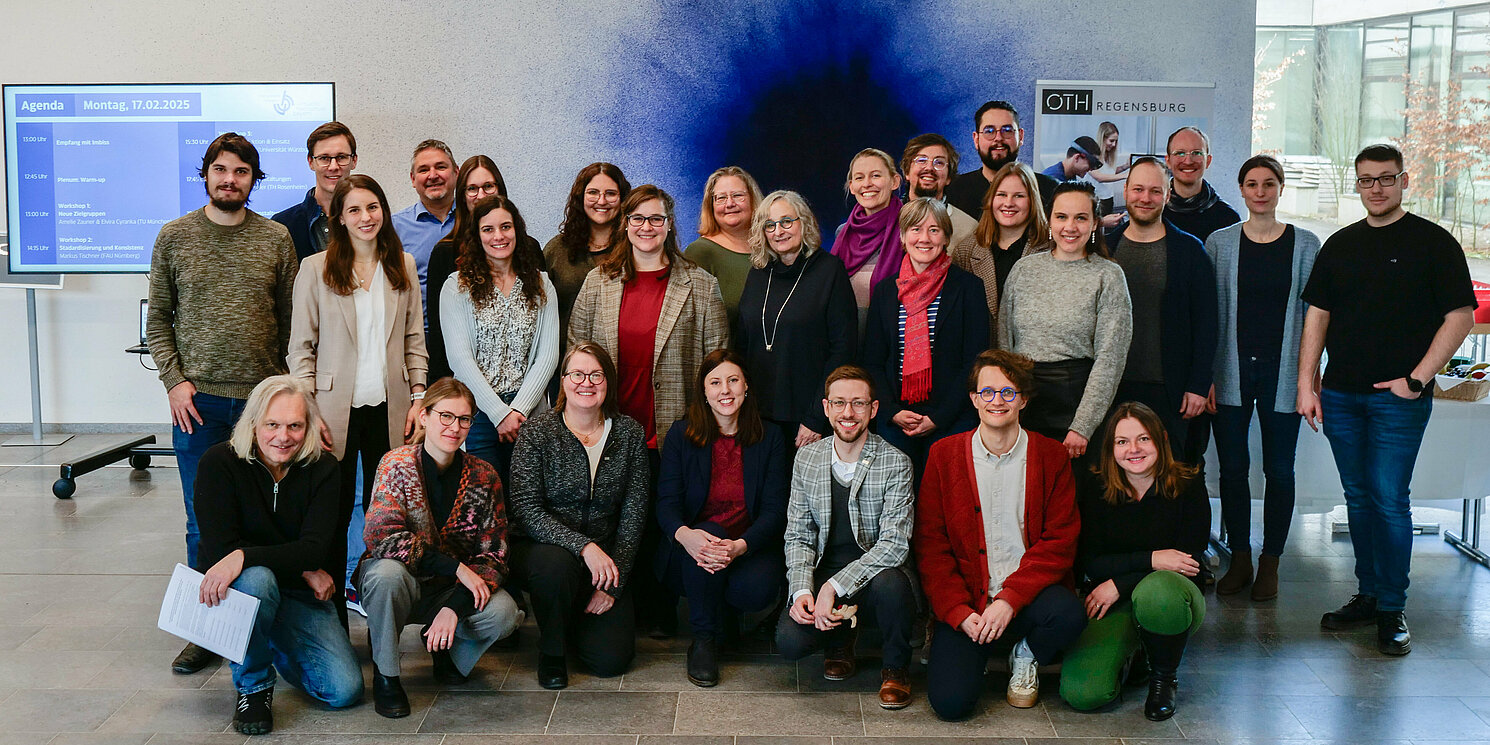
(389, 699)
(703, 663)
(1164, 653)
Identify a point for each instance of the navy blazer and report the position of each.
(683, 487)
(1190, 323)
(960, 334)
(297, 219)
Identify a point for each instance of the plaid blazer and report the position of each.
(881, 511)
(691, 325)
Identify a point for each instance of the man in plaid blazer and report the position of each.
(848, 529)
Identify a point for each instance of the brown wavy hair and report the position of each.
(338, 273)
(703, 428)
(1170, 475)
(574, 234)
(474, 268)
(619, 263)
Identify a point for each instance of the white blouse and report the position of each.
(370, 387)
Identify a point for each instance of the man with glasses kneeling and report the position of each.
(995, 543)
(848, 529)
(267, 507)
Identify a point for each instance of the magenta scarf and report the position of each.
(866, 236)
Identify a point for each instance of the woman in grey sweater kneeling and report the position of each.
(1067, 308)
(578, 498)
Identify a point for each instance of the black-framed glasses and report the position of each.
(859, 405)
(784, 223)
(937, 164)
(578, 377)
(636, 221)
(447, 419)
(1190, 153)
(487, 188)
(326, 160)
(1390, 179)
(1006, 130)
(1007, 393)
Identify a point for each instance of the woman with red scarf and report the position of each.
(926, 326)
(869, 242)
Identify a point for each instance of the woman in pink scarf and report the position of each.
(869, 242)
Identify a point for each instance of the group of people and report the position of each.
(985, 404)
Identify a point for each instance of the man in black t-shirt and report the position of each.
(1390, 299)
(997, 137)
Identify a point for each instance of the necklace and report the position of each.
(770, 338)
(584, 437)
(360, 281)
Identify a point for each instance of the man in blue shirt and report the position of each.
(422, 224)
(331, 153)
(1081, 158)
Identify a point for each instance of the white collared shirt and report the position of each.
(844, 470)
(370, 387)
(1001, 481)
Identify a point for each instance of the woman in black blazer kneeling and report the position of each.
(927, 323)
(721, 501)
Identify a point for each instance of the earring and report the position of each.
(1052, 235)
(1094, 237)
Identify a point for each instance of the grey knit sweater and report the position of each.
(1062, 310)
(553, 500)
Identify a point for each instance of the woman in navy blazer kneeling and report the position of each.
(721, 501)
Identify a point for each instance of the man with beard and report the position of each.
(221, 283)
(422, 224)
(848, 530)
(928, 164)
(1173, 287)
(997, 137)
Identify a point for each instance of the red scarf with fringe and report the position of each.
(916, 292)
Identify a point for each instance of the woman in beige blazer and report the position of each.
(358, 333)
(1013, 226)
(657, 314)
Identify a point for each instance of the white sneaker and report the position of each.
(1024, 679)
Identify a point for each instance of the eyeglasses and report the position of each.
(578, 377)
(325, 160)
(784, 223)
(991, 131)
(859, 405)
(489, 187)
(1007, 393)
(636, 221)
(734, 196)
(596, 194)
(937, 164)
(1176, 155)
(447, 419)
(1366, 182)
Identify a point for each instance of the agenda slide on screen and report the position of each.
(94, 171)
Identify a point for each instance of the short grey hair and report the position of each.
(431, 145)
(760, 250)
(243, 441)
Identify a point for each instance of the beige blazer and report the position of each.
(323, 347)
(691, 325)
(967, 254)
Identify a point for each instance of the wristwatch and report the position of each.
(1414, 385)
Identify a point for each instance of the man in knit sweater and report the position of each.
(221, 283)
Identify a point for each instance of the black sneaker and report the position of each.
(193, 659)
(1360, 610)
(1392, 636)
(255, 715)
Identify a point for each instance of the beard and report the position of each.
(229, 205)
(992, 163)
(934, 192)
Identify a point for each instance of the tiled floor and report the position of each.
(82, 663)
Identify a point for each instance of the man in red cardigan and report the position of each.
(995, 538)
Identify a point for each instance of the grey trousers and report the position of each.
(391, 596)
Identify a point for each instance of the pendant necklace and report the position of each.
(770, 338)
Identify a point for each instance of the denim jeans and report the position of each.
(302, 638)
(1375, 438)
(1280, 439)
(219, 414)
(483, 442)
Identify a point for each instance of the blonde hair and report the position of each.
(1038, 226)
(446, 387)
(243, 440)
(812, 237)
(916, 210)
(893, 171)
(707, 225)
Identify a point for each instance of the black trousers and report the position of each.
(749, 584)
(367, 435)
(559, 585)
(1049, 624)
(889, 600)
(656, 604)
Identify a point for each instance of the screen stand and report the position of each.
(36, 439)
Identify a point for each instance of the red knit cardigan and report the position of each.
(950, 551)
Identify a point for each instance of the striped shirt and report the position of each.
(930, 321)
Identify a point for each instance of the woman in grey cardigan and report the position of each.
(1261, 267)
(579, 501)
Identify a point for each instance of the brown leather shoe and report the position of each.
(1265, 587)
(895, 688)
(839, 663)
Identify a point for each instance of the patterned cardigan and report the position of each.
(692, 324)
(400, 525)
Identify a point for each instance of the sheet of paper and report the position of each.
(224, 628)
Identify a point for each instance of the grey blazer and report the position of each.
(1225, 246)
(881, 510)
